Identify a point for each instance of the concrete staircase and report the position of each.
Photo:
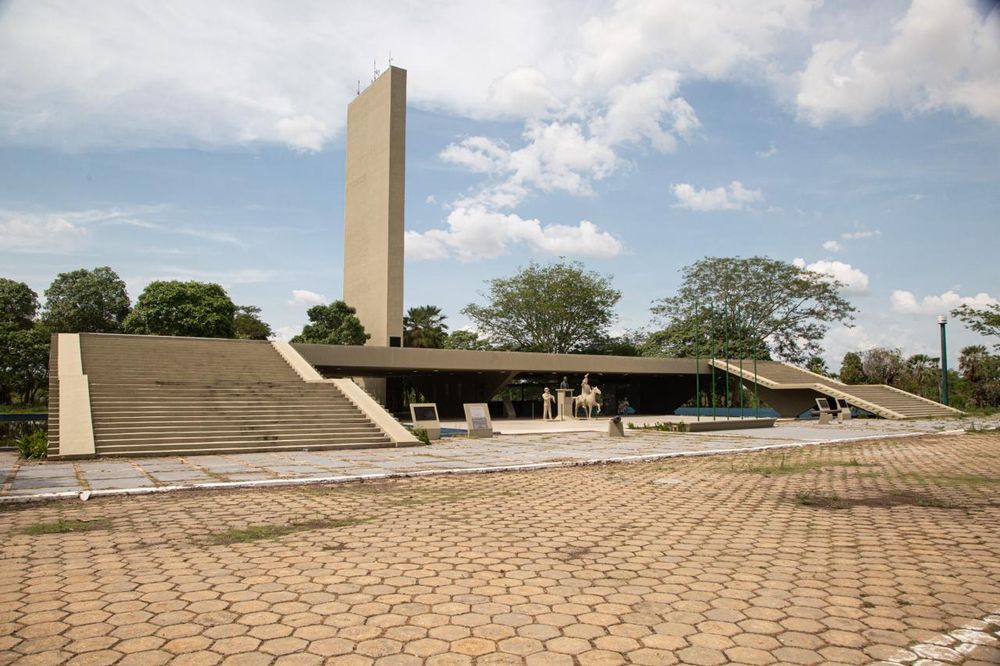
(879, 399)
(161, 395)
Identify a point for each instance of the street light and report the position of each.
(943, 322)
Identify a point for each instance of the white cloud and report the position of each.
(475, 233)
(905, 302)
(67, 231)
(283, 74)
(832, 246)
(767, 154)
(730, 197)
(286, 333)
(861, 235)
(302, 132)
(306, 297)
(941, 55)
(637, 112)
(854, 281)
(51, 233)
(523, 91)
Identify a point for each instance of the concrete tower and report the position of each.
(373, 207)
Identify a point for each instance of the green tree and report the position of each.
(761, 306)
(556, 308)
(248, 325)
(18, 305)
(629, 343)
(24, 344)
(462, 339)
(86, 301)
(172, 307)
(921, 376)
(984, 320)
(423, 326)
(24, 363)
(333, 324)
(883, 366)
(851, 369)
(981, 370)
(817, 365)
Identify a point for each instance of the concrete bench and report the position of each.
(826, 412)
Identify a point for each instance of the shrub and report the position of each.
(422, 435)
(33, 445)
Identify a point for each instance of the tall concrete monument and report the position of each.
(373, 208)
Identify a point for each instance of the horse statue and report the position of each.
(588, 401)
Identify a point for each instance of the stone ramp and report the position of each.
(153, 395)
(880, 399)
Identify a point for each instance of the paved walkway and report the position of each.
(884, 550)
(25, 480)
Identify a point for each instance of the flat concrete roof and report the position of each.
(377, 361)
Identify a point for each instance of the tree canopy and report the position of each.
(761, 306)
(171, 307)
(333, 324)
(984, 320)
(462, 339)
(18, 305)
(248, 325)
(86, 301)
(556, 308)
(852, 370)
(423, 326)
(24, 343)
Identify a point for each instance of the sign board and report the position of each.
(477, 419)
(425, 416)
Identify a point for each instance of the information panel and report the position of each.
(425, 415)
(477, 419)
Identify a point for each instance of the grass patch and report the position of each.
(262, 532)
(954, 480)
(820, 500)
(778, 465)
(64, 526)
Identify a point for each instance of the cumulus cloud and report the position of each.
(911, 71)
(905, 302)
(282, 74)
(306, 297)
(476, 232)
(854, 281)
(832, 246)
(729, 197)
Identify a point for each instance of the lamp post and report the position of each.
(943, 322)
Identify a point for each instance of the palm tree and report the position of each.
(424, 326)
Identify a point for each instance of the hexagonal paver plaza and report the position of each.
(828, 554)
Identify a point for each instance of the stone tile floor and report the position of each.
(881, 551)
(19, 480)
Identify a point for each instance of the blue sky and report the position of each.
(206, 142)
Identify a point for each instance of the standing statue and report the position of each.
(547, 400)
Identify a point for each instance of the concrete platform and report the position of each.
(597, 424)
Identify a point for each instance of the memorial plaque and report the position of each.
(425, 416)
(477, 419)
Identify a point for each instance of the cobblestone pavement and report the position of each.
(19, 480)
(878, 551)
